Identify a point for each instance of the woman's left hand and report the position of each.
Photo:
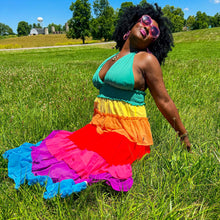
(187, 144)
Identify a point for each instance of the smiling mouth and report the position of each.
(144, 32)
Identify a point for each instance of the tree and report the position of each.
(103, 25)
(23, 28)
(36, 25)
(215, 20)
(124, 5)
(58, 27)
(94, 28)
(106, 22)
(143, 2)
(79, 23)
(190, 22)
(201, 20)
(100, 6)
(211, 21)
(176, 17)
(5, 30)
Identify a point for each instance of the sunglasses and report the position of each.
(154, 31)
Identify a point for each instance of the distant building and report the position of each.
(185, 28)
(36, 31)
(53, 29)
(67, 27)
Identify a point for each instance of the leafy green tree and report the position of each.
(64, 28)
(58, 27)
(5, 30)
(143, 2)
(103, 25)
(36, 25)
(176, 17)
(106, 22)
(215, 20)
(201, 20)
(23, 28)
(211, 22)
(79, 24)
(99, 6)
(124, 5)
(94, 28)
(116, 16)
(190, 22)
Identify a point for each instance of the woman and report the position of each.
(119, 132)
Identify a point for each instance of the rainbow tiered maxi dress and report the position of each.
(103, 150)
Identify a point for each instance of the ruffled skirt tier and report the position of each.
(67, 162)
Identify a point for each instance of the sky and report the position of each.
(58, 12)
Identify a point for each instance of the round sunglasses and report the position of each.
(154, 31)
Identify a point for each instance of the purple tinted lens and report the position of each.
(146, 20)
(154, 31)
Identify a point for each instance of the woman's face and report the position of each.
(141, 35)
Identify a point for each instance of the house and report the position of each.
(36, 31)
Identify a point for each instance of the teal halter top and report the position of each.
(119, 82)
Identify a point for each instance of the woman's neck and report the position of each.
(128, 47)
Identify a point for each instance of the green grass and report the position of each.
(51, 89)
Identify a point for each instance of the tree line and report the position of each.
(82, 24)
(102, 24)
(24, 28)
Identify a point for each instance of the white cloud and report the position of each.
(216, 1)
(186, 9)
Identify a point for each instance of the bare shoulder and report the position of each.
(148, 62)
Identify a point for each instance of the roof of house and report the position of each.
(38, 30)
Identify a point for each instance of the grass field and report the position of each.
(51, 89)
(41, 40)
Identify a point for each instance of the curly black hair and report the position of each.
(162, 45)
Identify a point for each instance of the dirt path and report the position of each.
(75, 45)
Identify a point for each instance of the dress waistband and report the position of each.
(133, 97)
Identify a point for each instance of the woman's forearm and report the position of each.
(170, 112)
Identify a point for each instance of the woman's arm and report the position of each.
(154, 79)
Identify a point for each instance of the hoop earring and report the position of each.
(125, 37)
